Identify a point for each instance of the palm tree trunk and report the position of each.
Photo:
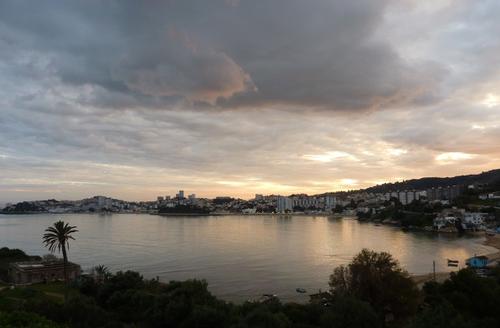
(65, 263)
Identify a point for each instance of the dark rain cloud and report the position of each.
(232, 54)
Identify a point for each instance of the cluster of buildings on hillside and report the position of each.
(351, 203)
(303, 203)
(364, 204)
(364, 200)
(179, 199)
(456, 219)
(440, 194)
(490, 196)
(87, 205)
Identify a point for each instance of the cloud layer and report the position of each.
(135, 99)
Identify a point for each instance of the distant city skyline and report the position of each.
(395, 190)
(236, 97)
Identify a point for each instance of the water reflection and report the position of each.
(240, 256)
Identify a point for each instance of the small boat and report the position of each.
(301, 290)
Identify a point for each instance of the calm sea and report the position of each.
(241, 257)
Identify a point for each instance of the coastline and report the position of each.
(493, 241)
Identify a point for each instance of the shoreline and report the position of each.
(491, 241)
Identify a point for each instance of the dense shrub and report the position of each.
(371, 292)
(20, 319)
(376, 278)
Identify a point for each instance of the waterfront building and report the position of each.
(473, 220)
(447, 223)
(477, 262)
(284, 205)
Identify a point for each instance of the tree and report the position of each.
(348, 312)
(378, 279)
(57, 237)
(25, 319)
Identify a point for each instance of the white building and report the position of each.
(326, 203)
(330, 202)
(103, 202)
(493, 195)
(444, 221)
(402, 197)
(473, 220)
(192, 199)
(284, 205)
(249, 211)
(410, 196)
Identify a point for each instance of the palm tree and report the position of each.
(57, 237)
(101, 273)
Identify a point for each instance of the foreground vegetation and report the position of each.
(372, 291)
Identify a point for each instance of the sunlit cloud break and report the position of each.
(491, 100)
(330, 156)
(453, 156)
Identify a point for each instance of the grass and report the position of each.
(54, 291)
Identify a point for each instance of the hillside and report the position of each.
(489, 178)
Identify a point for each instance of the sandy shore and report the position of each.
(492, 241)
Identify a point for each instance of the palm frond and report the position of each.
(58, 235)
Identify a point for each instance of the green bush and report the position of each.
(20, 319)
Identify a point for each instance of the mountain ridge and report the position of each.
(491, 177)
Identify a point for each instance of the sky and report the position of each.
(135, 99)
